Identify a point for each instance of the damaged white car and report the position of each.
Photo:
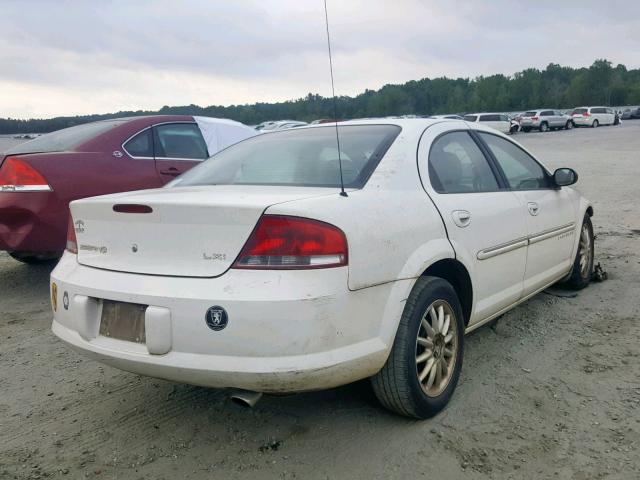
(255, 271)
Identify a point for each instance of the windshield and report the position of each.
(579, 111)
(65, 139)
(529, 114)
(298, 157)
(470, 118)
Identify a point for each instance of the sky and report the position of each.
(73, 57)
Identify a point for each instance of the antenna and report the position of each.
(333, 92)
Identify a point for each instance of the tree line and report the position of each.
(554, 87)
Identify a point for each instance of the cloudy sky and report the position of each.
(67, 57)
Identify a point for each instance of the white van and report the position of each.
(499, 121)
(593, 116)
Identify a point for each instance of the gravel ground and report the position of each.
(553, 392)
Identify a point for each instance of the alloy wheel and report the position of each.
(436, 348)
(585, 251)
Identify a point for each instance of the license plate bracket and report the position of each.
(123, 321)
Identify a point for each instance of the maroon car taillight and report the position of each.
(72, 241)
(16, 175)
(282, 242)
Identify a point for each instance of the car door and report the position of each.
(142, 171)
(177, 148)
(484, 221)
(549, 212)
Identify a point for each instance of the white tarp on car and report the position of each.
(219, 133)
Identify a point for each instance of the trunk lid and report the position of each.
(191, 231)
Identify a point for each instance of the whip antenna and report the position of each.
(333, 92)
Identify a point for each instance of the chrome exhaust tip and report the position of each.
(245, 398)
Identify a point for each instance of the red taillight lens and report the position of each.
(72, 242)
(534, 118)
(16, 175)
(282, 242)
(586, 114)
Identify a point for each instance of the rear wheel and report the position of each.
(35, 258)
(424, 365)
(583, 264)
(595, 124)
(526, 129)
(568, 125)
(544, 127)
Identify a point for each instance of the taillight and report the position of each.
(283, 242)
(586, 114)
(72, 242)
(534, 119)
(16, 175)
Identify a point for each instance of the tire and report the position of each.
(35, 258)
(568, 125)
(398, 386)
(544, 127)
(526, 129)
(582, 270)
(595, 124)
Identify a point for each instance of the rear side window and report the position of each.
(529, 114)
(457, 165)
(179, 140)
(140, 145)
(65, 139)
(546, 113)
(490, 118)
(298, 157)
(598, 110)
(521, 170)
(470, 118)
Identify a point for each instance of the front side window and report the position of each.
(180, 140)
(140, 145)
(298, 157)
(457, 165)
(521, 170)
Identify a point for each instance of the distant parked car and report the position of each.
(446, 117)
(626, 114)
(592, 116)
(39, 178)
(635, 113)
(499, 121)
(545, 120)
(283, 125)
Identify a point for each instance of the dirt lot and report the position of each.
(554, 392)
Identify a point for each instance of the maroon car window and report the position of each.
(141, 145)
(65, 139)
(179, 140)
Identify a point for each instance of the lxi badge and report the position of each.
(216, 318)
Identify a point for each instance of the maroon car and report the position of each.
(39, 178)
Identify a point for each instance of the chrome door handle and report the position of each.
(534, 208)
(461, 218)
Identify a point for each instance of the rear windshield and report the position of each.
(579, 111)
(65, 139)
(529, 114)
(298, 157)
(470, 118)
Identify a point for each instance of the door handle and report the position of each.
(173, 171)
(461, 218)
(534, 208)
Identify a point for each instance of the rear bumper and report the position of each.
(287, 332)
(582, 121)
(32, 222)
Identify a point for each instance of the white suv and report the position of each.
(498, 121)
(256, 270)
(593, 116)
(545, 120)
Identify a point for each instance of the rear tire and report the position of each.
(595, 124)
(35, 258)
(424, 365)
(569, 125)
(526, 129)
(583, 264)
(544, 127)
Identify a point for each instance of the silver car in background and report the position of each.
(545, 120)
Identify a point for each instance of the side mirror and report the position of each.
(565, 176)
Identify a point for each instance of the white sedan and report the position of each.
(254, 271)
